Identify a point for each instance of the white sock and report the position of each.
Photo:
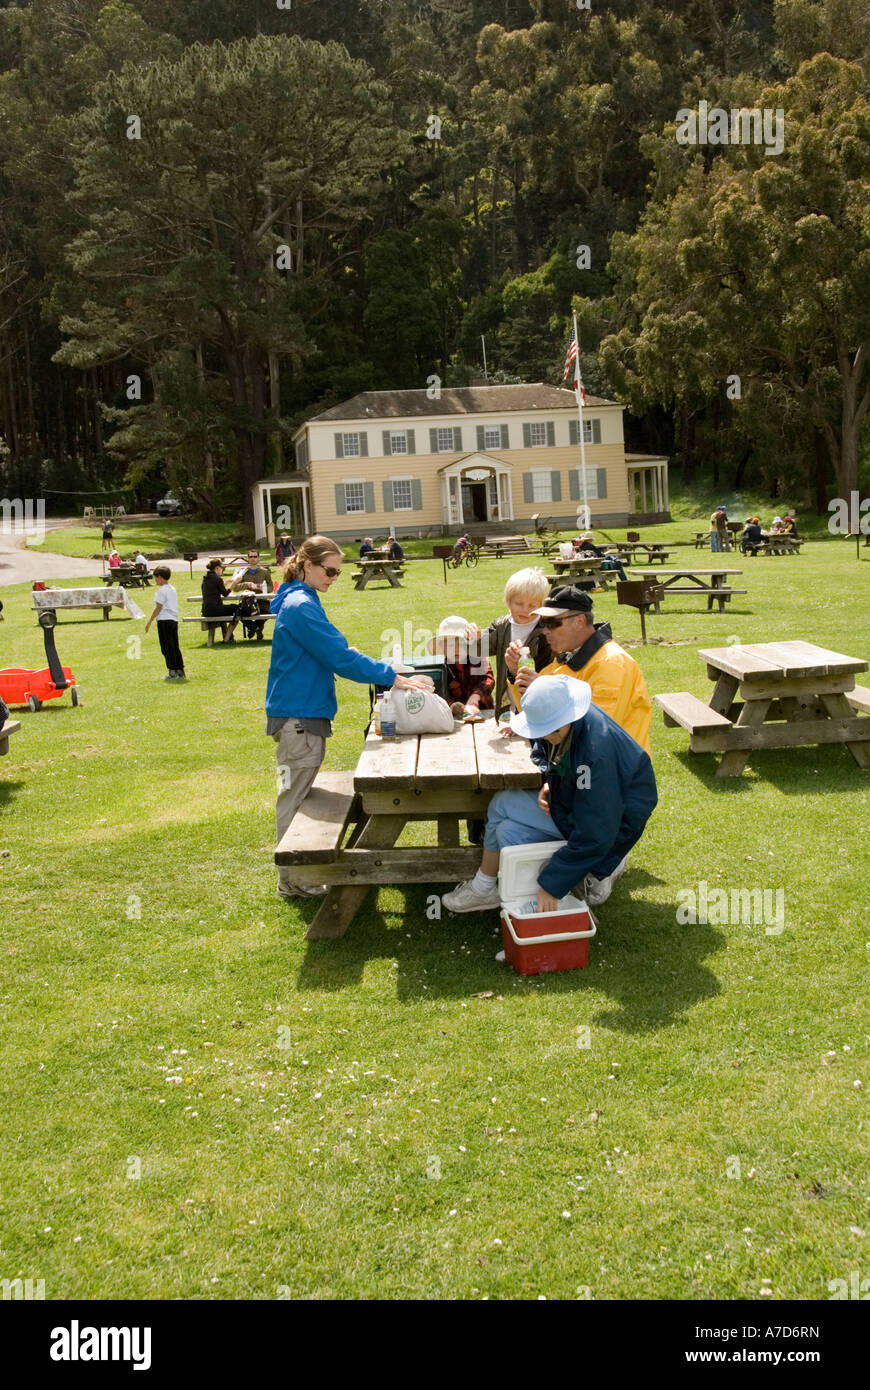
(483, 883)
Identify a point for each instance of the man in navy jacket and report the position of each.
(598, 794)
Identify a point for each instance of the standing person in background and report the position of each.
(166, 613)
(108, 532)
(308, 652)
(719, 529)
(284, 549)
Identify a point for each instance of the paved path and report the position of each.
(21, 566)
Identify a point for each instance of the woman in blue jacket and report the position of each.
(308, 652)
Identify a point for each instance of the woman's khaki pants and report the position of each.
(299, 756)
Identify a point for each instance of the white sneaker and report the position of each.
(465, 899)
(598, 890)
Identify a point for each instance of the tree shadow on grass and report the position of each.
(651, 966)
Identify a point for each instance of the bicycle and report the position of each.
(470, 556)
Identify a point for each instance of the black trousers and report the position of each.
(167, 632)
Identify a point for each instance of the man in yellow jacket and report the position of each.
(583, 648)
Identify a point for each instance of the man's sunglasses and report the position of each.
(548, 624)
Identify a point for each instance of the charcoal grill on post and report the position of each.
(442, 553)
(640, 594)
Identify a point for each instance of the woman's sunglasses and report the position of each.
(330, 572)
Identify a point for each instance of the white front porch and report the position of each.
(296, 488)
(476, 489)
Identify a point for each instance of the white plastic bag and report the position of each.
(421, 712)
(566, 550)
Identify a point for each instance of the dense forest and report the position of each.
(218, 217)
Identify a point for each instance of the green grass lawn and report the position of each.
(355, 1118)
(158, 537)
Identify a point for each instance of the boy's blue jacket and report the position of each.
(307, 654)
(605, 780)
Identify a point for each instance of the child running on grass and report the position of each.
(166, 613)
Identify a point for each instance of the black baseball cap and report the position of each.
(565, 601)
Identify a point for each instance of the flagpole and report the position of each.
(579, 395)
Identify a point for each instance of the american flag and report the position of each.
(572, 360)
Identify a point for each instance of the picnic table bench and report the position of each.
(444, 778)
(712, 583)
(369, 569)
(10, 727)
(208, 625)
(794, 694)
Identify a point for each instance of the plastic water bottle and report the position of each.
(388, 717)
(376, 715)
(525, 662)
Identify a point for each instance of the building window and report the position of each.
(589, 432)
(350, 445)
(354, 496)
(398, 442)
(491, 437)
(445, 441)
(542, 482)
(591, 483)
(402, 495)
(538, 436)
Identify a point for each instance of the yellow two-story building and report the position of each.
(464, 457)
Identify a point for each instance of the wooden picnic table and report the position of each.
(115, 596)
(372, 568)
(445, 778)
(712, 583)
(129, 575)
(7, 729)
(794, 694)
(626, 550)
(580, 567)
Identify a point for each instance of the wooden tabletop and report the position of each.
(473, 756)
(764, 661)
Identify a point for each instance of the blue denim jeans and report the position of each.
(515, 818)
(715, 542)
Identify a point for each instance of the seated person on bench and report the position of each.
(751, 537)
(256, 579)
(585, 546)
(598, 793)
(214, 591)
(394, 550)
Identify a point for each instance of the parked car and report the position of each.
(175, 503)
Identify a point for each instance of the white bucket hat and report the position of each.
(550, 702)
(450, 630)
